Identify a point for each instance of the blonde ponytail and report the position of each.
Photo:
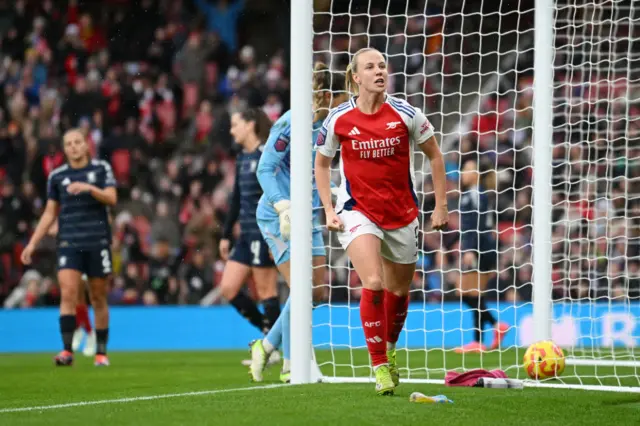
(321, 83)
(349, 84)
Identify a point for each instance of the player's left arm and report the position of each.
(424, 136)
(234, 207)
(275, 150)
(104, 193)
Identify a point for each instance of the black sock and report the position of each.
(248, 309)
(102, 336)
(485, 315)
(67, 327)
(475, 314)
(271, 311)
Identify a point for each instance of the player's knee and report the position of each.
(68, 297)
(68, 292)
(99, 300)
(319, 276)
(372, 282)
(229, 291)
(264, 293)
(320, 293)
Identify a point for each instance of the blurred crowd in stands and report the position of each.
(595, 187)
(152, 85)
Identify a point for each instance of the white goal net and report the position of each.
(470, 67)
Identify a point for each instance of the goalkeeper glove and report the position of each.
(283, 207)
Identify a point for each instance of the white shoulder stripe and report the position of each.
(58, 170)
(402, 106)
(345, 106)
(103, 163)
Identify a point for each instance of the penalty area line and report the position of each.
(135, 399)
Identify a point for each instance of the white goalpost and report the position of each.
(301, 171)
(544, 93)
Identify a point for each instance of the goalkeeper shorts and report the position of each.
(280, 249)
(398, 245)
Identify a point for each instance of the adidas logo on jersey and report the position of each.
(354, 131)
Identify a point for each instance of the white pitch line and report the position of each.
(135, 399)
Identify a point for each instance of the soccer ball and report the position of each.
(544, 360)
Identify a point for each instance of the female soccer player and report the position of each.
(250, 254)
(376, 215)
(478, 253)
(83, 322)
(78, 195)
(274, 173)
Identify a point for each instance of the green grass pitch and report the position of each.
(212, 388)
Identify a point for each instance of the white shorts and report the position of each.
(398, 245)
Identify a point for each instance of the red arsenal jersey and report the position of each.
(376, 152)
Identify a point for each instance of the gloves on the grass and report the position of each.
(283, 208)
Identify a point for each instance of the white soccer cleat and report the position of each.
(274, 359)
(90, 345)
(259, 359)
(78, 336)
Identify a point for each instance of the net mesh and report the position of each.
(470, 68)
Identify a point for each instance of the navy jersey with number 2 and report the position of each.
(84, 232)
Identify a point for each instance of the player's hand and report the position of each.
(76, 188)
(25, 256)
(440, 218)
(284, 208)
(223, 248)
(333, 221)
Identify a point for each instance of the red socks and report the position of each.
(383, 315)
(395, 308)
(372, 314)
(82, 317)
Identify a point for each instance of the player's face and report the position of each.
(469, 174)
(372, 73)
(75, 146)
(240, 128)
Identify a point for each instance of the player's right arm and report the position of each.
(275, 151)
(231, 219)
(326, 146)
(47, 219)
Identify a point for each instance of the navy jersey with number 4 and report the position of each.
(250, 191)
(83, 221)
(250, 248)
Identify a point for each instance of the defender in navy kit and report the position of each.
(79, 195)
